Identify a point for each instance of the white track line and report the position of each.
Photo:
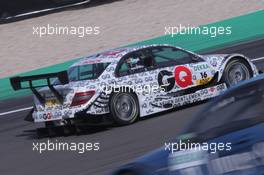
(28, 108)
(14, 111)
(257, 59)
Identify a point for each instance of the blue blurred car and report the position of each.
(226, 138)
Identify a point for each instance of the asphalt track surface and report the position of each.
(118, 145)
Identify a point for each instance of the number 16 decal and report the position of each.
(203, 75)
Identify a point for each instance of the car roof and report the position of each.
(113, 55)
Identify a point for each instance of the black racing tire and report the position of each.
(56, 123)
(235, 71)
(124, 108)
(57, 128)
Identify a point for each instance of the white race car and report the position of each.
(132, 82)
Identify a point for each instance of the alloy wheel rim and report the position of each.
(237, 72)
(125, 107)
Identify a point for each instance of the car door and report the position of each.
(179, 72)
(138, 71)
(179, 69)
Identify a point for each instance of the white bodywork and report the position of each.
(149, 103)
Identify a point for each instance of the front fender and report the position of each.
(218, 62)
(236, 56)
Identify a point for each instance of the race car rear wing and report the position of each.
(17, 81)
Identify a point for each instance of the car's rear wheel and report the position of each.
(53, 124)
(124, 108)
(236, 71)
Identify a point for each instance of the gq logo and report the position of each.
(182, 76)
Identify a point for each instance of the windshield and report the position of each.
(87, 71)
(168, 55)
(243, 107)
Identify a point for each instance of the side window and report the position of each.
(73, 73)
(134, 63)
(165, 56)
(86, 71)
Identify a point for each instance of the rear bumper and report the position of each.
(54, 115)
(79, 116)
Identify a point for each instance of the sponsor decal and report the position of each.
(166, 80)
(200, 67)
(212, 89)
(47, 116)
(204, 79)
(183, 76)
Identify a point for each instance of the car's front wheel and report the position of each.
(124, 108)
(236, 71)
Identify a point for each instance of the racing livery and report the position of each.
(133, 82)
